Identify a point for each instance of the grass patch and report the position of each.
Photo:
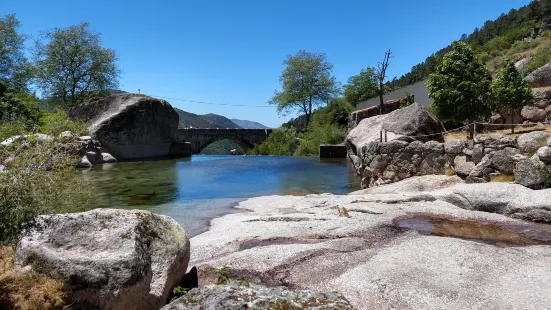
(450, 172)
(28, 290)
(503, 178)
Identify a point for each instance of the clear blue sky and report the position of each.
(231, 52)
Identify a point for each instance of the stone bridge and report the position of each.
(201, 137)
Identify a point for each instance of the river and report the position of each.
(195, 190)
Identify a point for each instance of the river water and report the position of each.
(197, 189)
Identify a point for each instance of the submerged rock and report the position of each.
(234, 297)
(111, 259)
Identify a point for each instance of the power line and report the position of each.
(214, 103)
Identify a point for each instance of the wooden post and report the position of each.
(474, 131)
(385, 136)
(380, 136)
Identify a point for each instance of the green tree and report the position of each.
(71, 63)
(336, 112)
(460, 86)
(509, 91)
(15, 69)
(306, 82)
(17, 106)
(361, 87)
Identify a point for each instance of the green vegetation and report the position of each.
(306, 83)
(222, 147)
(493, 43)
(327, 127)
(15, 69)
(58, 122)
(541, 58)
(278, 143)
(460, 86)
(39, 180)
(509, 91)
(361, 87)
(70, 63)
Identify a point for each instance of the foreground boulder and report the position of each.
(131, 126)
(111, 259)
(416, 244)
(234, 297)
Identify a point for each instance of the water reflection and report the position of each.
(193, 191)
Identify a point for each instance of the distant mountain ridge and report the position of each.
(190, 120)
(248, 124)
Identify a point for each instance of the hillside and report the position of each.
(188, 120)
(506, 38)
(248, 124)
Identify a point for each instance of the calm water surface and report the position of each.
(197, 189)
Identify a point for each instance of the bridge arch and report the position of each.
(245, 145)
(199, 138)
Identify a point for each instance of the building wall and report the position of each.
(419, 90)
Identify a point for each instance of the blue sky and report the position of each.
(231, 52)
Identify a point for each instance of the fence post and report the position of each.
(385, 136)
(380, 136)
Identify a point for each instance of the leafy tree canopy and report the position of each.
(509, 91)
(306, 82)
(71, 63)
(361, 87)
(18, 106)
(460, 86)
(15, 70)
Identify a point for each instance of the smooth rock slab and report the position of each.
(234, 297)
(396, 249)
(111, 259)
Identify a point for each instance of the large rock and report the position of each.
(412, 120)
(504, 160)
(532, 141)
(531, 172)
(463, 166)
(455, 146)
(541, 77)
(235, 297)
(131, 126)
(111, 259)
(533, 113)
(38, 137)
(398, 249)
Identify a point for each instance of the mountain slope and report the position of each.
(188, 120)
(494, 42)
(248, 124)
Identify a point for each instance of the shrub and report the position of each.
(521, 46)
(58, 122)
(276, 144)
(318, 134)
(542, 57)
(12, 128)
(39, 180)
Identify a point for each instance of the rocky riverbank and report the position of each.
(429, 242)
(425, 243)
(415, 146)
